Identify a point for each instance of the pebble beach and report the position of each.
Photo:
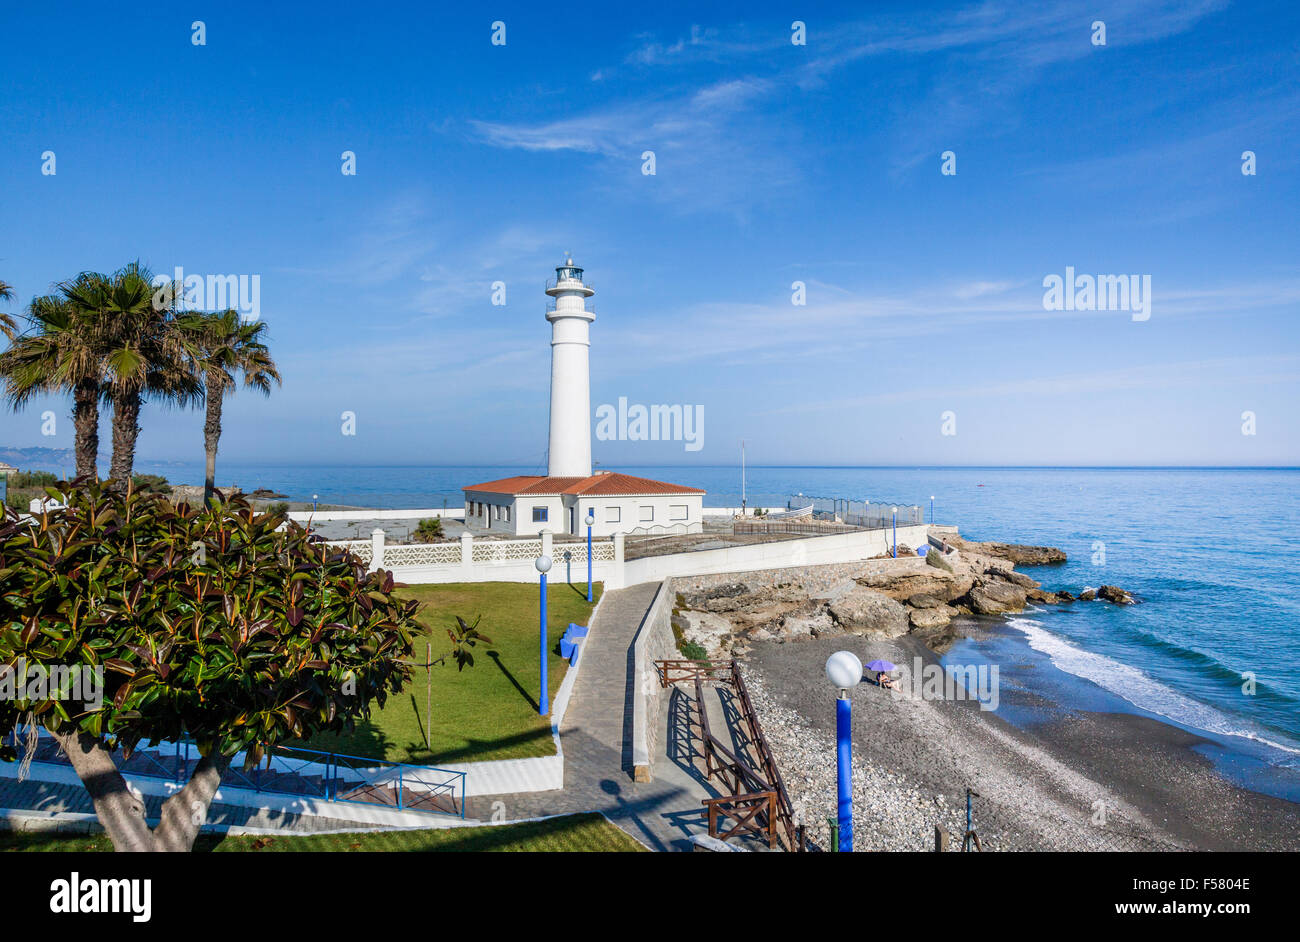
(1093, 782)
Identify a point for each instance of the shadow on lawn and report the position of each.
(496, 659)
(366, 740)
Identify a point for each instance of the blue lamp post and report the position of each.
(844, 671)
(591, 519)
(932, 510)
(314, 498)
(543, 564)
(895, 512)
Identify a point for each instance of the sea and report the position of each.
(1212, 555)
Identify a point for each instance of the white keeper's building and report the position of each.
(561, 499)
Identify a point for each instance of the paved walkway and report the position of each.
(596, 737)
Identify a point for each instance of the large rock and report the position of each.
(928, 619)
(712, 632)
(1113, 593)
(866, 611)
(1023, 555)
(922, 600)
(805, 624)
(995, 597)
(1015, 578)
(1042, 596)
(940, 584)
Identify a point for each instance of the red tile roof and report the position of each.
(603, 484)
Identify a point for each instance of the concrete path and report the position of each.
(596, 737)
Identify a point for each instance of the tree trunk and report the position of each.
(119, 811)
(186, 811)
(85, 419)
(126, 429)
(122, 814)
(212, 433)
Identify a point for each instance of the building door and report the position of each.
(573, 519)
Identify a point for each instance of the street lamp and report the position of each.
(543, 564)
(591, 519)
(894, 510)
(844, 671)
(931, 510)
(314, 498)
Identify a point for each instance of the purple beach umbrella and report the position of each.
(882, 666)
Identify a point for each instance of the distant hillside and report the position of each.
(41, 459)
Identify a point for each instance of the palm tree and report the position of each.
(222, 348)
(8, 326)
(142, 349)
(60, 352)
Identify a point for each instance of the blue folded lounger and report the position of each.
(569, 643)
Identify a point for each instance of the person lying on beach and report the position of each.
(884, 680)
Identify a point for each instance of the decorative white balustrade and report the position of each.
(362, 549)
(499, 551)
(471, 560)
(602, 551)
(422, 554)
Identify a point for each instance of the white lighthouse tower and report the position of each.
(568, 496)
(570, 447)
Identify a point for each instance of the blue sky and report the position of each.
(775, 163)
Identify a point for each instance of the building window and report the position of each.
(539, 514)
(505, 513)
(677, 512)
(613, 514)
(647, 513)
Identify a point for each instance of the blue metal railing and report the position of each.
(294, 770)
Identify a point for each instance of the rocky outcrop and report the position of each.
(865, 611)
(928, 619)
(922, 600)
(941, 585)
(1015, 578)
(1113, 593)
(972, 578)
(996, 597)
(711, 632)
(1020, 554)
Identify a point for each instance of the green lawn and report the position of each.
(577, 832)
(488, 711)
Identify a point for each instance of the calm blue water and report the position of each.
(1213, 555)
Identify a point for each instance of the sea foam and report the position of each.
(1134, 686)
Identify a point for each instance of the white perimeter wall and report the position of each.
(780, 554)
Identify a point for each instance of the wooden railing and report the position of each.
(755, 800)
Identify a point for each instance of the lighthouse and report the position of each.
(569, 500)
(570, 444)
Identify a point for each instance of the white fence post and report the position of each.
(376, 549)
(615, 580)
(466, 553)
